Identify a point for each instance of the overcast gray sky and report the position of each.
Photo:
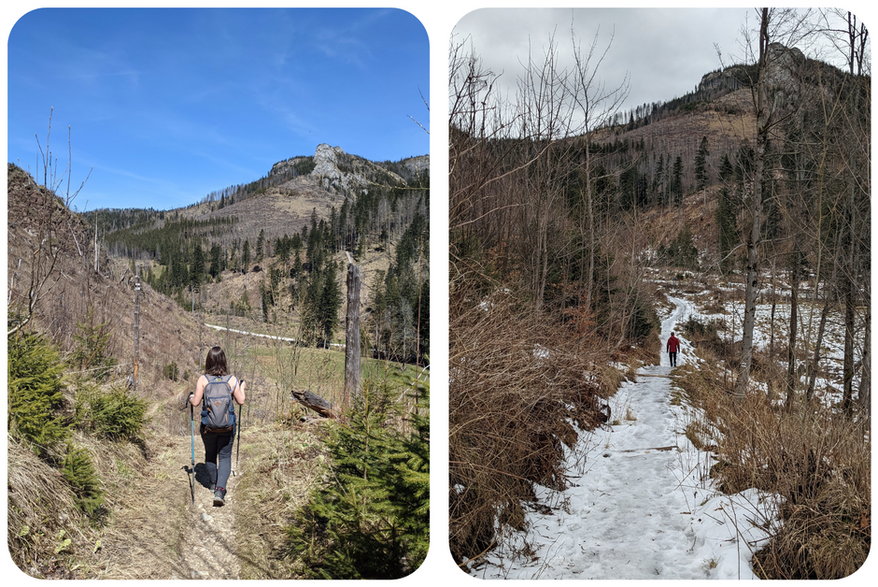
(664, 51)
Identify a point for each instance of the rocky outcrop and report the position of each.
(326, 166)
(785, 71)
(293, 167)
(416, 165)
(340, 172)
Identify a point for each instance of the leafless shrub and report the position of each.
(815, 459)
(516, 381)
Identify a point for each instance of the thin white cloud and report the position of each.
(348, 44)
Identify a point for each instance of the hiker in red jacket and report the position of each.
(673, 346)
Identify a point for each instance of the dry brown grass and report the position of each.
(153, 532)
(515, 381)
(281, 465)
(47, 536)
(818, 462)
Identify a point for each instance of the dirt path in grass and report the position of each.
(156, 532)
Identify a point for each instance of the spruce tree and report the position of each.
(329, 303)
(91, 347)
(245, 257)
(80, 473)
(260, 244)
(371, 521)
(197, 268)
(701, 175)
(36, 400)
(677, 181)
(726, 226)
(216, 261)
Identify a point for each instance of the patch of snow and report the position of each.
(540, 352)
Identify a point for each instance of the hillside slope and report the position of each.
(72, 289)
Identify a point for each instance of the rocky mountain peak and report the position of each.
(784, 64)
(337, 171)
(326, 162)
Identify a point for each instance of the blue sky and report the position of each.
(167, 105)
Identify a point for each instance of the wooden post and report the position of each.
(96, 244)
(137, 290)
(352, 336)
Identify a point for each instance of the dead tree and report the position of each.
(138, 289)
(312, 401)
(763, 123)
(352, 336)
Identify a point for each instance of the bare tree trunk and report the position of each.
(865, 392)
(792, 378)
(352, 337)
(848, 364)
(815, 360)
(135, 377)
(771, 330)
(763, 121)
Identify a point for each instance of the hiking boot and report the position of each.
(219, 497)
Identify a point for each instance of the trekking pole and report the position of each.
(237, 439)
(192, 444)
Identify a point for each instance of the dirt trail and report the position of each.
(156, 532)
(209, 545)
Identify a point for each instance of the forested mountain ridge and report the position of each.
(652, 157)
(273, 250)
(288, 195)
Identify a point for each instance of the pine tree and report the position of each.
(677, 181)
(36, 400)
(701, 175)
(372, 520)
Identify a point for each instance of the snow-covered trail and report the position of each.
(636, 507)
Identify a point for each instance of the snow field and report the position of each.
(828, 388)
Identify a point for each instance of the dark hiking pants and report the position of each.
(218, 456)
(672, 356)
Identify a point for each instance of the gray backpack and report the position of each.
(217, 410)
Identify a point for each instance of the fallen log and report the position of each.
(312, 401)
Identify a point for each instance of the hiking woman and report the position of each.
(217, 388)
